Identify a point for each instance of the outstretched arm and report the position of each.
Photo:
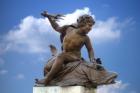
(53, 22)
(90, 49)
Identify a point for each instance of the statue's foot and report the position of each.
(39, 85)
(47, 83)
(42, 81)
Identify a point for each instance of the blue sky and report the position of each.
(25, 36)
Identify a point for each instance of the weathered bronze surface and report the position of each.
(80, 73)
(68, 68)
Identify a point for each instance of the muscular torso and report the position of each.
(73, 41)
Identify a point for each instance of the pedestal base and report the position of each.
(69, 89)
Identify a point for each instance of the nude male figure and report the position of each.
(73, 38)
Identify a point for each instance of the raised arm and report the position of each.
(89, 49)
(53, 22)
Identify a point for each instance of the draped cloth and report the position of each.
(82, 73)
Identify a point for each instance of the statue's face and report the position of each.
(87, 22)
(87, 25)
(88, 28)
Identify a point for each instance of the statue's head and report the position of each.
(85, 19)
(86, 22)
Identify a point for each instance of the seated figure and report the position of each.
(75, 38)
(68, 68)
(79, 73)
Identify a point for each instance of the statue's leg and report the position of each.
(41, 81)
(56, 67)
(48, 66)
(46, 71)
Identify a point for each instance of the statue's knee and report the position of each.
(46, 67)
(46, 70)
(60, 57)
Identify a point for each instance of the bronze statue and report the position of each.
(73, 38)
(79, 73)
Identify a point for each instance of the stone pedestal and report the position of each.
(69, 89)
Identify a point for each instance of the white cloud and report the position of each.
(72, 17)
(33, 35)
(118, 87)
(105, 31)
(3, 72)
(20, 76)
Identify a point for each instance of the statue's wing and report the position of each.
(53, 50)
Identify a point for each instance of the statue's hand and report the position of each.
(58, 17)
(93, 60)
(45, 14)
(54, 17)
(98, 61)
